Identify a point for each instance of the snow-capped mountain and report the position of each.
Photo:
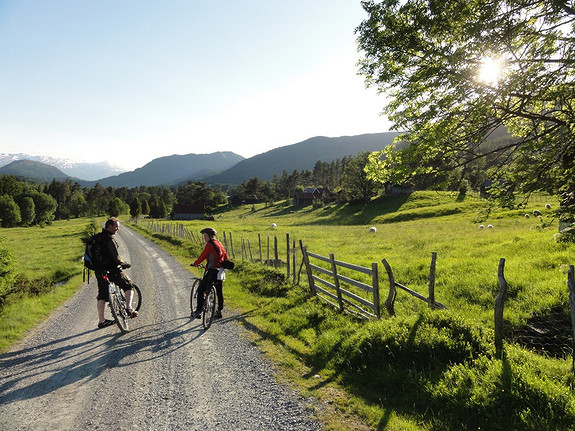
(85, 171)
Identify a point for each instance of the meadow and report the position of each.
(422, 369)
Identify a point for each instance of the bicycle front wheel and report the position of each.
(118, 309)
(194, 297)
(209, 307)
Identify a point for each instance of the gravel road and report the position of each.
(166, 374)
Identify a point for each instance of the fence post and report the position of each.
(276, 256)
(294, 260)
(232, 246)
(392, 291)
(268, 258)
(431, 298)
(499, 305)
(375, 282)
(336, 282)
(305, 260)
(260, 246)
(287, 256)
(571, 285)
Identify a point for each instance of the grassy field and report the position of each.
(49, 257)
(420, 370)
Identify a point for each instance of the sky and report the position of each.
(128, 81)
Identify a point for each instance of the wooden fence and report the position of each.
(338, 295)
(393, 285)
(337, 290)
(547, 336)
(246, 252)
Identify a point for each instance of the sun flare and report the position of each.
(490, 70)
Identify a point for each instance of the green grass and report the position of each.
(423, 369)
(49, 257)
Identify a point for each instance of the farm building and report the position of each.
(310, 195)
(188, 212)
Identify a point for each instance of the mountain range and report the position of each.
(86, 171)
(215, 168)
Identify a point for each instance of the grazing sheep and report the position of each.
(526, 215)
(548, 206)
(481, 226)
(274, 225)
(489, 226)
(373, 229)
(537, 213)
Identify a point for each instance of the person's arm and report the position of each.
(205, 254)
(115, 258)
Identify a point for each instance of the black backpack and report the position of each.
(94, 258)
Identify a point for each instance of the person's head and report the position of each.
(112, 225)
(209, 233)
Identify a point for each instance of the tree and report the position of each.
(44, 205)
(427, 57)
(116, 207)
(197, 193)
(135, 207)
(355, 179)
(9, 212)
(27, 211)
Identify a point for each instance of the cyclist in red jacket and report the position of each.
(214, 254)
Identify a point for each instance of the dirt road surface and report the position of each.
(166, 374)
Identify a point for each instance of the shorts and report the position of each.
(117, 277)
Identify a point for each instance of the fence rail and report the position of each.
(338, 296)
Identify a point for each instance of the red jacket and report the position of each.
(214, 254)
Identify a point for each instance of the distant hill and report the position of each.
(301, 156)
(30, 169)
(86, 171)
(221, 167)
(175, 169)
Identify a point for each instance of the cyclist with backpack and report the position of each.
(109, 260)
(214, 254)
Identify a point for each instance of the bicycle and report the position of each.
(209, 307)
(117, 303)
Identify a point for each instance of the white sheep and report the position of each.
(481, 226)
(489, 226)
(274, 225)
(537, 213)
(548, 206)
(526, 215)
(373, 229)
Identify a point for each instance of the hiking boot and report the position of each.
(131, 313)
(106, 322)
(196, 315)
(218, 315)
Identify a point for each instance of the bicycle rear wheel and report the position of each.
(118, 309)
(209, 307)
(136, 297)
(194, 297)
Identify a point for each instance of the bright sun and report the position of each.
(490, 70)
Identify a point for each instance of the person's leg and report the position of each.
(101, 307)
(101, 300)
(201, 291)
(126, 285)
(220, 294)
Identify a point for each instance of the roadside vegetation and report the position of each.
(420, 370)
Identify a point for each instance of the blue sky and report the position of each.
(130, 81)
